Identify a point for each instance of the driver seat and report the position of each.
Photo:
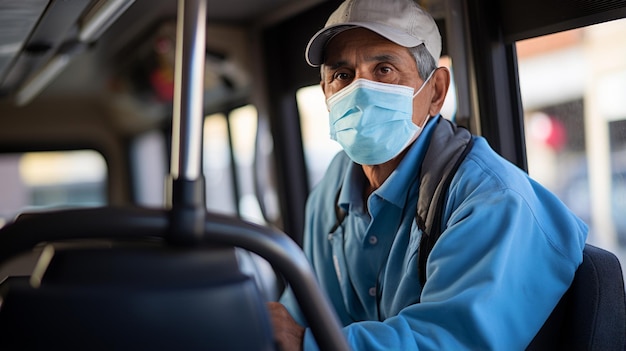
(592, 313)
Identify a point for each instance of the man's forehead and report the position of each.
(362, 43)
(374, 57)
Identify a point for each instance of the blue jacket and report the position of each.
(508, 251)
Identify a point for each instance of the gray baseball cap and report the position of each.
(403, 22)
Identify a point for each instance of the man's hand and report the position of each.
(287, 332)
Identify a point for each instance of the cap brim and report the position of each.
(317, 44)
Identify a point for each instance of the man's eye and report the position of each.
(342, 76)
(385, 70)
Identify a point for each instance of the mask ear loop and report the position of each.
(426, 81)
(428, 115)
(418, 91)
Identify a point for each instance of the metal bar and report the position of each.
(186, 193)
(188, 90)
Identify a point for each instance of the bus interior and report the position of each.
(130, 129)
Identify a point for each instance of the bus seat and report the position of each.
(592, 313)
(109, 278)
(133, 297)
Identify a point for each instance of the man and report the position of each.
(508, 248)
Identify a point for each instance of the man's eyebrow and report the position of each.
(382, 58)
(374, 58)
(337, 64)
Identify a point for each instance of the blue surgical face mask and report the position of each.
(373, 121)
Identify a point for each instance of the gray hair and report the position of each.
(425, 61)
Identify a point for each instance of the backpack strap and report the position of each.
(449, 145)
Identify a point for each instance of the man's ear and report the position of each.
(441, 83)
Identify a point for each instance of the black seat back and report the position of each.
(592, 313)
(135, 297)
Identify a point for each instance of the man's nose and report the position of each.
(363, 75)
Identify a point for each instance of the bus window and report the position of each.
(319, 149)
(149, 169)
(217, 165)
(573, 86)
(243, 126)
(38, 180)
(228, 161)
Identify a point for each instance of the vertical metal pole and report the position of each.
(186, 189)
(188, 89)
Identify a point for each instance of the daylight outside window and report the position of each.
(228, 161)
(573, 86)
(34, 181)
